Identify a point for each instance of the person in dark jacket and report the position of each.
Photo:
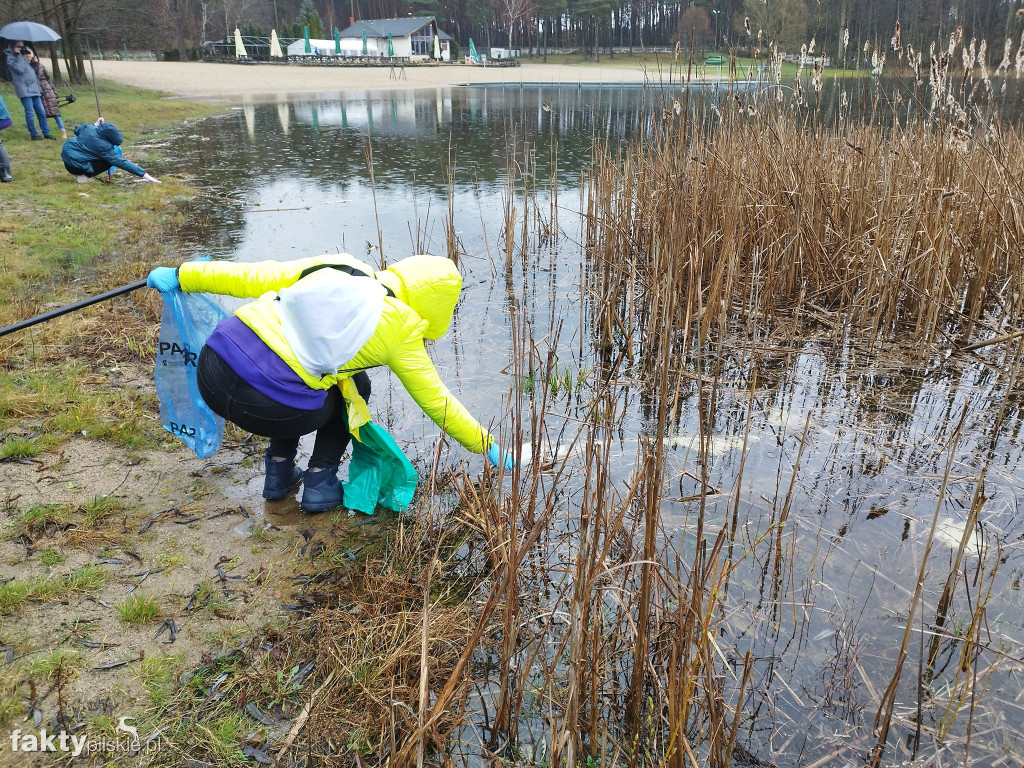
(26, 87)
(5, 161)
(48, 94)
(95, 148)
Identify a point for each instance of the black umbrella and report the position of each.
(34, 32)
(29, 31)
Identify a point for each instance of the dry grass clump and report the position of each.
(376, 622)
(397, 628)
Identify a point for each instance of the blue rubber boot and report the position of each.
(281, 477)
(322, 492)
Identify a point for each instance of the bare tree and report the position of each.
(511, 11)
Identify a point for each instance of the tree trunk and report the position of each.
(55, 74)
(73, 59)
(843, 52)
(50, 20)
(632, 25)
(544, 40)
(182, 51)
(611, 36)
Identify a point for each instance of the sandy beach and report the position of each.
(233, 82)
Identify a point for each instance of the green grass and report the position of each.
(50, 557)
(53, 518)
(196, 727)
(61, 241)
(171, 561)
(87, 579)
(656, 63)
(58, 227)
(100, 508)
(41, 669)
(138, 609)
(27, 447)
(158, 674)
(224, 737)
(10, 702)
(44, 517)
(47, 665)
(60, 399)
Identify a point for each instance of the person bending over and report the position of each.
(294, 361)
(96, 148)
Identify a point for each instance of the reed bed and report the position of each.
(909, 234)
(737, 230)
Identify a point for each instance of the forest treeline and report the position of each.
(840, 28)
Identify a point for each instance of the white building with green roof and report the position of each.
(412, 37)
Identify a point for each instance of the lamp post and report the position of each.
(716, 28)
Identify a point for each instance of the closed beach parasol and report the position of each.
(391, 46)
(364, 42)
(240, 51)
(472, 51)
(437, 48)
(337, 42)
(275, 45)
(29, 31)
(305, 34)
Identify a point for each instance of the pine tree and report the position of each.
(310, 17)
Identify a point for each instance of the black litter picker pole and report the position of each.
(72, 307)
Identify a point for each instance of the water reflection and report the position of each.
(250, 120)
(284, 116)
(872, 464)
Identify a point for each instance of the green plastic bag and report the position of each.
(379, 473)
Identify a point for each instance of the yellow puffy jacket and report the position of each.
(425, 290)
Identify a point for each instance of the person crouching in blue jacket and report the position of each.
(96, 148)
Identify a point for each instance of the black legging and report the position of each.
(96, 167)
(232, 398)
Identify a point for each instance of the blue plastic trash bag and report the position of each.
(188, 320)
(379, 473)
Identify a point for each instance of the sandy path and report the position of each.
(232, 82)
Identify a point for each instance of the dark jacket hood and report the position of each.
(109, 132)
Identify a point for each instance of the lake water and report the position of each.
(292, 178)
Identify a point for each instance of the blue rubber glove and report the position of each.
(499, 458)
(163, 279)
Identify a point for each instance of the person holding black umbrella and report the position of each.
(26, 87)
